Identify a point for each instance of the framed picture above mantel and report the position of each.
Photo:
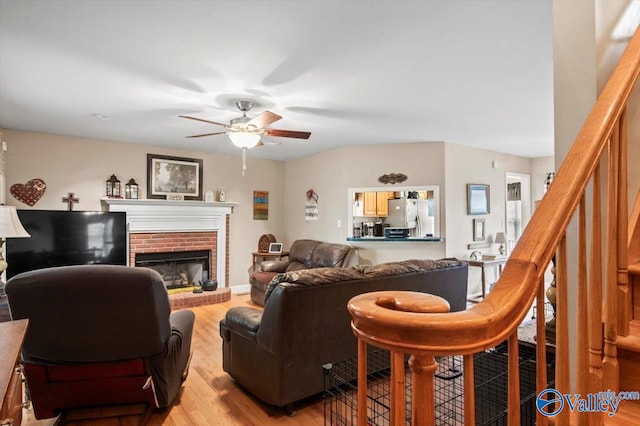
(171, 177)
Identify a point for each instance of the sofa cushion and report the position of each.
(274, 266)
(329, 255)
(296, 266)
(301, 251)
(406, 266)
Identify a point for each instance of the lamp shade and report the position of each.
(10, 226)
(244, 139)
(501, 238)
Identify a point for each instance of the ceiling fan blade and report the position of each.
(288, 133)
(264, 119)
(204, 121)
(207, 134)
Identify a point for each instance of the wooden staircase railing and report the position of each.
(590, 185)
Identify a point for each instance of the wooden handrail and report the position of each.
(426, 330)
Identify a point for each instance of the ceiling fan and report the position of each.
(245, 132)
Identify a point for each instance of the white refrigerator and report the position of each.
(425, 219)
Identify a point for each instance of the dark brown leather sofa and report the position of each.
(99, 335)
(303, 254)
(277, 353)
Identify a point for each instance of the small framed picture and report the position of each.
(477, 199)
(478, 229)
(275, 248)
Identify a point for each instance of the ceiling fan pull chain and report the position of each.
(244, 160)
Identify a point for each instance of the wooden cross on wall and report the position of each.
(70, 200)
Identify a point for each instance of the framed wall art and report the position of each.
(174, 177)
(478, 229)
(477, 199)
(260, 205)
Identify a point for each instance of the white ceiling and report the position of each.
(476, 73)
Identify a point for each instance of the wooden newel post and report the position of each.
(392, 320)
(423, 367)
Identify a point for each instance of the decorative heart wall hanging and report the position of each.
(30, 192)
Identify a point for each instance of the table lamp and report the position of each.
(501, 239)
(10, 227)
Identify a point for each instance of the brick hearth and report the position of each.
(190, 300)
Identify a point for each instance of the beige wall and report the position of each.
(82, 166)
(470, 165)
(331, 173)
(466, 165)
(539, 169)
(614, 26)
(449, 165)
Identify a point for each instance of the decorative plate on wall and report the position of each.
(30, 192)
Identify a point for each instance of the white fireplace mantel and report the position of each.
(177, 216)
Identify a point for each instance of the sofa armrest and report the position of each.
(169, 369)
(182, 322)
(243, 321)
(274, 265)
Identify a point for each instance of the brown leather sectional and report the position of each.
(277, 353)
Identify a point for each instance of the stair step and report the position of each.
(632, 341)
(628, 414)
(634, 269)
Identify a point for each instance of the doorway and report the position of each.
(518, 207)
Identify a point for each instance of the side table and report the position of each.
(482, 264)
(267, 256)
(11, 335)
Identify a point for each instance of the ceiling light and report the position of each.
(244, 139)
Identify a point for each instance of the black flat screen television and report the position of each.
(61, 238)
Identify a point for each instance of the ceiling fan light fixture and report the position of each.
(244, 139)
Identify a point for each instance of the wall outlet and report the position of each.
(339, 223)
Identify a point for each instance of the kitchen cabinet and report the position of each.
(375, 203)
(382, 203)
(370, 204)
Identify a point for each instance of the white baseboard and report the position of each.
(240, 289)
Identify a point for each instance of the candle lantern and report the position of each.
(131, 190)
(113, 187)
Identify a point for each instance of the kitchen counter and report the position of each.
(403, 240)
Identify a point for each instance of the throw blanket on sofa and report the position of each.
(318, 276)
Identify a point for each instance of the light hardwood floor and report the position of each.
(209, 396)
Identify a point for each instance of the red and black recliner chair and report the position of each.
(99, 335)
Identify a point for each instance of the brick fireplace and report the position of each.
(174, 242)
(161, 226)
